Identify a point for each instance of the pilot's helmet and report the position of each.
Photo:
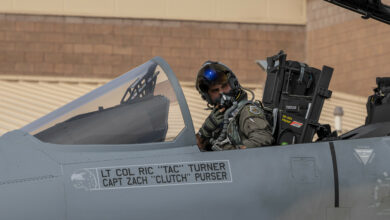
(212, 73)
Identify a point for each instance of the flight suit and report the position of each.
(248, 127)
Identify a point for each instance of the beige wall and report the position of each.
(108, 47)
(248, 11)
(358, 49)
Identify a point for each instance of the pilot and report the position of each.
(234, 121)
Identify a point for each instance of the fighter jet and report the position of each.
(127, 150)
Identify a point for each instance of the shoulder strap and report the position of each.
(240, 106)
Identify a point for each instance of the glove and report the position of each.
(211, 123)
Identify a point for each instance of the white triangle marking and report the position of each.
(364, 154)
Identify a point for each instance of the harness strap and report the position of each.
(240, 105)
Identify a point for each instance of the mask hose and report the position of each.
(221, 140)
(251, 92)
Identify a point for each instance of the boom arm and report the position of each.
(367, 8)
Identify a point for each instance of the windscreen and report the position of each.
(138, 107)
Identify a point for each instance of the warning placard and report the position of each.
(198, 172)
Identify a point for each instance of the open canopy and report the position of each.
(144, 105)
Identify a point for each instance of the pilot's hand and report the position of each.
(211, 123)
(222, 110)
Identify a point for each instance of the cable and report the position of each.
(251, 92)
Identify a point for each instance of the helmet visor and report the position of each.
(210, 74)
(214, 76)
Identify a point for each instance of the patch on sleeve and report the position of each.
(254, 110)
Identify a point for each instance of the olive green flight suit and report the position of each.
(249, 128)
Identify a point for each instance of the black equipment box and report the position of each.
(293, 98)
(378, 105)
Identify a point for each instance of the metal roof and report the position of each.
(24, 99)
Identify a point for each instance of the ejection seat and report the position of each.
(293, 97)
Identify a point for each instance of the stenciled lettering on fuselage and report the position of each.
(152, 175)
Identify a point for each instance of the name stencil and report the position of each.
(152, 175)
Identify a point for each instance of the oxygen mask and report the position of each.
(225, 101)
